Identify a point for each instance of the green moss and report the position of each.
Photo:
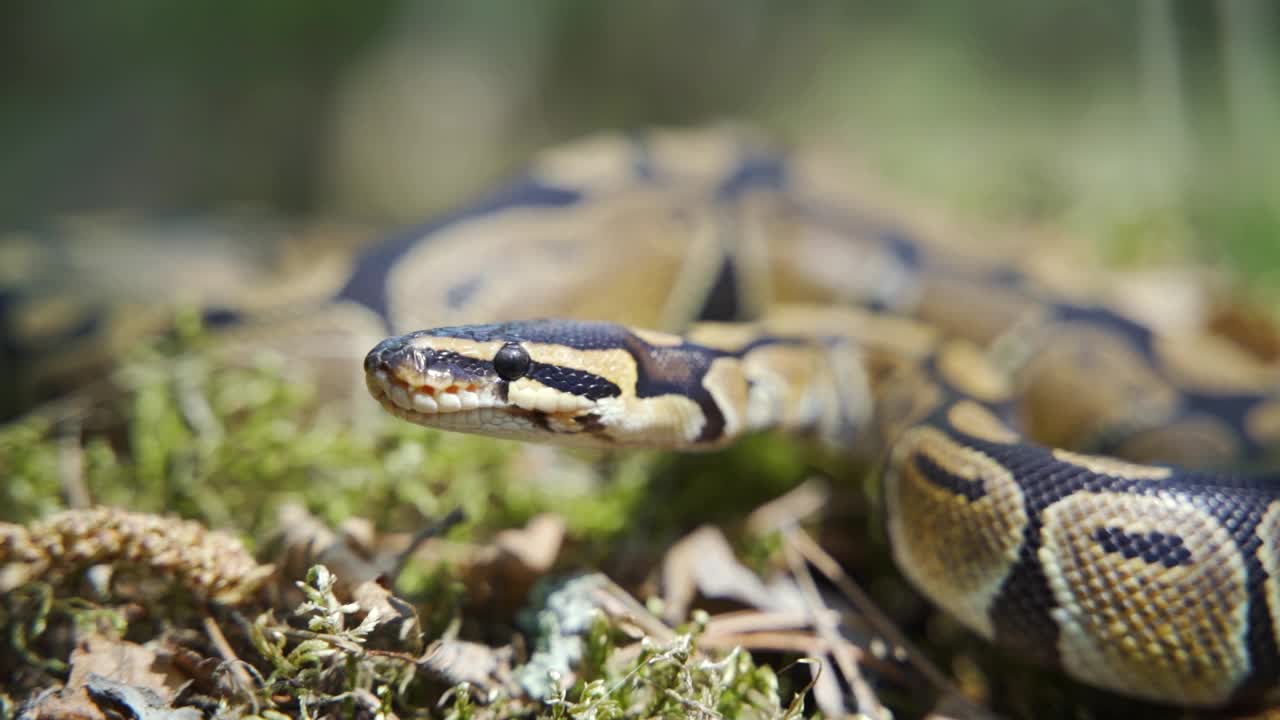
(671, 679)
(29, 464)
(227, 444)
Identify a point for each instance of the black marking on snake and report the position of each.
(904, 250)
(1153, 547)
(573, 381)
(721, 303)
(678, 370)
(1229, 408)
(1241, 521)
(1232, 409)
(571, 333)
(537, 417)
(394, 353)
(970, 490)
(1021, 611)
(590, 423)
(1109, 320)
(220, 317)
(1006, 411)
(757, 170)
(1006, 277)
(368, 282)
(461, 366)
(458, 295)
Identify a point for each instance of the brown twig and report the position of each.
(232, 661)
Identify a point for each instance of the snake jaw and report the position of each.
(547, 400)
(430, 399)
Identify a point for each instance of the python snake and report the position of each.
(1053, 456)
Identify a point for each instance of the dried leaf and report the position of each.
(458, 661)
(503, 571)
(704, 562)
(114, 678)
(139, 702)
(306, 541)
(395, 624)
(124, 662)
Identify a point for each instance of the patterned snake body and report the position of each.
(1139, 578)
(1025, 413)
(1142, 578)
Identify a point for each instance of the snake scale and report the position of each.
(1053, 463)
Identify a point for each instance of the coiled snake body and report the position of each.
(1142, 578)
(1024, 417)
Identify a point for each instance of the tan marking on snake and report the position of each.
(1263, 422)
(1191, 442)
(1269, 556)
(1110, 466)
(596, 164)
(466, 347)
(648, 231)
(1212, 364)
(872, 331)
(699, 158)
(972, 419)
(817, 265)
(728, 386)
(1170, 634)
(660, 339)
(964, 367)
(905, 401)
(1085, 380)
(969, 310)
(958, 551)
(729, 337)
(792, 387)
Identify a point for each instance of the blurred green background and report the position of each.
(1147, 128)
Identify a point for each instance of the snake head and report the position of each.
(570, 382)
(548, 380)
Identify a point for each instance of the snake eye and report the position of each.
(511, 362)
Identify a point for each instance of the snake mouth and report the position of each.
(424, 400)
(430, 399)
(420, 384)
